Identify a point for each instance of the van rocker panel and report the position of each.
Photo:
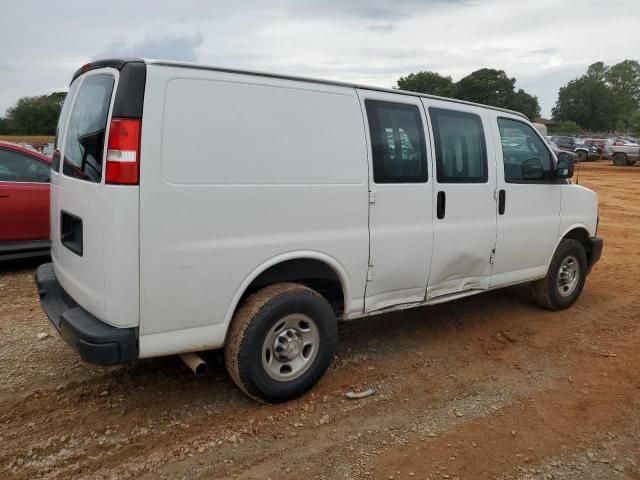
(95, 341)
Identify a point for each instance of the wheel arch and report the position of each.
(309, 267)
(580, 233)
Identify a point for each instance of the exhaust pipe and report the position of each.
(195, 363)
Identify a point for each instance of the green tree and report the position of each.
(36, 115)
(494, 87)
(598, 71)
(428, 82)
(588, 102)
(623, 80)
(5, 126)
(521, 101)
(634, 123)
(566, 127)
(487, 86)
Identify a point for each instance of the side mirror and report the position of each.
(532, 169)
(565, 167)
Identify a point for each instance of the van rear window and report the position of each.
(84, 139)
(62, 120)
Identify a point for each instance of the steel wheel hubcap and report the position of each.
(568, 276)
(290, 347)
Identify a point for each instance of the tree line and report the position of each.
(487, 86)
(33, 115)
(605, 98)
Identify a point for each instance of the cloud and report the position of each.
(368, 9)
(381, 28)
(165, 46)
(544, 51)
(364, 41)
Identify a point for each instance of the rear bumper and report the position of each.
(95, 341)
(597, 243)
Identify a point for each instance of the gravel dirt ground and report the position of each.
(487, 387)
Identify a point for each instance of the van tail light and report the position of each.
(123, 152)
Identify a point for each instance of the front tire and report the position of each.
(565, 279)
(620, 159)
(281, 342)
(582, 156)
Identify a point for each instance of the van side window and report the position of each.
(526, 156)
(397, 142)
(461, 151)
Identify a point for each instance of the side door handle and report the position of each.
(502, 198)
(441, 206)
(4, 195)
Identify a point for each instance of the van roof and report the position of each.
(118, 63)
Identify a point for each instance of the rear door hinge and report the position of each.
(492, 257)
(372, 196)
(370, 273)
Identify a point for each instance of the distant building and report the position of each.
(545, 121)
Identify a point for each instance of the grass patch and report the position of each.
(35, 140)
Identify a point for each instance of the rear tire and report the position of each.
(620, 159)
(582, 156)
(565, 279)
(281, 342)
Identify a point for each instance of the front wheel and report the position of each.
(565, 278)
(582, 155)
(619, 159)
(281, 342)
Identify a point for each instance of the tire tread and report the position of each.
(242, 321)
(541, 289)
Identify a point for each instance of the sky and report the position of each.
(543, 43)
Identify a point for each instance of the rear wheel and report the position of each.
(565, 279)
(582, 155)
(281, 342)
(619, 159)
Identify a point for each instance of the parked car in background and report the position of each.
(623, 152)
(599, 144)
(565, 143)
(587, 151)
(24, 202)
(47, 150)
(583, 151)
(27, 146)
(561, 154)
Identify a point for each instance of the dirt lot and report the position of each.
(487, 387)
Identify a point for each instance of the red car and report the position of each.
(24, 202)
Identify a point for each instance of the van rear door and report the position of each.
(94, 225)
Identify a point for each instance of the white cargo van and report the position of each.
(196, 208)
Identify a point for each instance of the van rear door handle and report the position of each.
(501, 201)
(441, 205)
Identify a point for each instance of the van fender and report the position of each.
(330, 261)
(562, 236)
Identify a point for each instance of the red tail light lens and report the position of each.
(123, 152)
